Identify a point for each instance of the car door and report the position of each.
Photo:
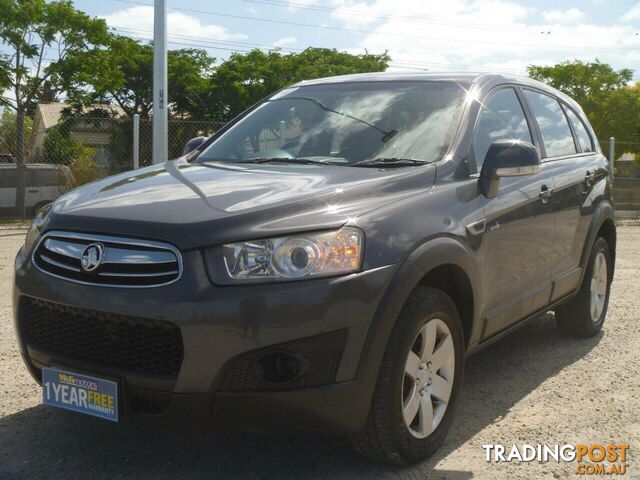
(570, 155)
(518, 220)
(579, 180)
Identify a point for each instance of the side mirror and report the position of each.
(507, 158)
(192, 144)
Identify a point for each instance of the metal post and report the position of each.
(612, 155)
(612, 149)
(160, 131)
(136, 141)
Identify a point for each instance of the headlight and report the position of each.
(36, 226)
(308, 255)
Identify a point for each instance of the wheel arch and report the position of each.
(602, 225)
(444, 263)
(454, 281)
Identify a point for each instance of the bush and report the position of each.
(83, 168)
(59, 147)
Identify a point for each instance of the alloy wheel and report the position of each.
(428, 378)
(598, 286)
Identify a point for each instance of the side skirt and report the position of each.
(516, 326)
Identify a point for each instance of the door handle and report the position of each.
(545, 193)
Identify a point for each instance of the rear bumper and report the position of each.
(220, 325)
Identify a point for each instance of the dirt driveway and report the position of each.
(533, 387)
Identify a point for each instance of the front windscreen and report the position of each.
(347, 123)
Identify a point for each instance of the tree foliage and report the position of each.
(38, 37)
(8, 131)
(244, 79)
(83, 167)
(59, 147)
(122, 73)
(610, 103)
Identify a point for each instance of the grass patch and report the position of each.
(14, 222)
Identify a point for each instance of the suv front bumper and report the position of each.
(220, 325)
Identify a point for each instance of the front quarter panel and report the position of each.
(421, 233)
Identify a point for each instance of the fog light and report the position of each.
(278, 367)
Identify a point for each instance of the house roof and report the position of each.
(51, 112)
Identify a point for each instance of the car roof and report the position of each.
(465, 77)
(486, 79)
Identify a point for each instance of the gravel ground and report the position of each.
(532, 387)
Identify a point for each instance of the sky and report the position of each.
(461, 35)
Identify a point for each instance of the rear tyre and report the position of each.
(418, 383)
(584, 315)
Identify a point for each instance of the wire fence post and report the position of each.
(612, 155)
(612, 149)
(136, 141)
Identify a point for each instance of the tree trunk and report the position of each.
(21, 170)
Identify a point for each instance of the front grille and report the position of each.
(118, 342)
(121, 262)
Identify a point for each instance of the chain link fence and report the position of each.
(63, 152)
(626, 173)
(107, 143)
(76, 150)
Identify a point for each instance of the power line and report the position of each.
(356, 13)
(238, 46)
(353, 30)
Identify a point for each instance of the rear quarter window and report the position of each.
(584, 139)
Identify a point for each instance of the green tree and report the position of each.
(621, 116)
(59, 147)
(8, 135)
(121, 73)
(83, 167)
(39, 37)
(612, 106)
(244, 79)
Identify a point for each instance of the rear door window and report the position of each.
(584, 139)
(553, 124)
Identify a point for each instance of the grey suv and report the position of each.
(326, 261)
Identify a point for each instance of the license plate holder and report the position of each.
(80, 393)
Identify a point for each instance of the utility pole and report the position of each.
(160, 117)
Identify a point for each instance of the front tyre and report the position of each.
(584, 315)
(418, 383)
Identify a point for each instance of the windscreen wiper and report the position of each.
(301, 161)
(390, 162)
(386, 135)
